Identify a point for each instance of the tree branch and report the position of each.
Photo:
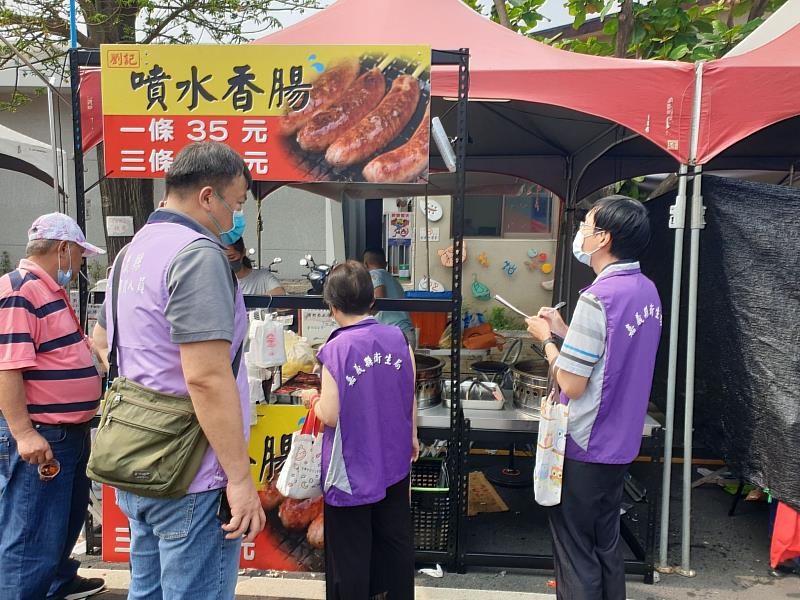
(502, 13)
(176, 12)
(625, 28)
(55, 25)
(758, 8)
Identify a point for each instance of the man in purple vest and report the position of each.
(180, 324)
(605, 370)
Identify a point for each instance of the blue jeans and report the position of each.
(178, 548)
(40, 520)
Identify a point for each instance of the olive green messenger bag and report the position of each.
(148, 442)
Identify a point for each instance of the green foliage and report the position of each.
(590, 45)
(96, 270)
(630, 187)
(500, 321)
(523, 15)
(6, 264)
(41, 27)
(661, 29)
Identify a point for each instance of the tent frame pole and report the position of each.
(697, 222)
(677, 221)
(75, 56)
(51, 113)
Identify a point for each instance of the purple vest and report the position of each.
(146, 354)
(370, 449)
(633, 328)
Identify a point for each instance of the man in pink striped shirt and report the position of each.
(49, 391)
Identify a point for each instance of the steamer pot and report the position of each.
(530, 384)
(429, 381)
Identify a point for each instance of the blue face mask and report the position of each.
(234, 234)
(64, 277)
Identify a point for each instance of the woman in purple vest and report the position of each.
(605, 370)
(367, 404)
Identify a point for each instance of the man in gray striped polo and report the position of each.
(605, 370)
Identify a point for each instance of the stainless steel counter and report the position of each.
(508, 419)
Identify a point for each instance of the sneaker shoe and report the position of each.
(82, 588)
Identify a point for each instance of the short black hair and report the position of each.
(375, 256)
(238, 245)
(628, 222)
(348, 288)
(202, 164)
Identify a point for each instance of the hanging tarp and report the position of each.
(747, 386)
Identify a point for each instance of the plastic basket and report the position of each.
(430, 504)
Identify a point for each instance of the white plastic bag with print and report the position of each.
(301, 475)
(266, 343)
(550, 446)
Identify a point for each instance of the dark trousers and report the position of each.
(589, 563)
(369, 549)
(40, 520)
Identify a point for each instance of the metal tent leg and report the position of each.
(677, 221)
(697, 223)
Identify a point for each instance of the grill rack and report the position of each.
(314, 165)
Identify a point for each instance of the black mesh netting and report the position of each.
(747, 387)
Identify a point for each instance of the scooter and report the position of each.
(317, 273)
(275, 261)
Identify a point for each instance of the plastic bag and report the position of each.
(299, 355)
(301, 475)
(266, 343)
(550, 446)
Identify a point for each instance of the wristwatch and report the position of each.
(549, 340)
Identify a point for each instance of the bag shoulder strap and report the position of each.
(554, 387)
(113, 365)
(237, 359)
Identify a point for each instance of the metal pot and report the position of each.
(490, 370)
(429, 381)
(530, 383)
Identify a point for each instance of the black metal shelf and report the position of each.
(308, 301)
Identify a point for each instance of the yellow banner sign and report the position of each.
(295, 113)
(213, 80)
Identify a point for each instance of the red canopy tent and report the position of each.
(750, 116)
(571, 122)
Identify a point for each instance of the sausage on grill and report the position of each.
(403, 164)
(316, 532)
(327, 88)
(270, 496)
(379, 127)
(332, 122)
(297, 514)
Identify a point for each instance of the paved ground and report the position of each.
(730, 555)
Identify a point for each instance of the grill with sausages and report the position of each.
(312, 159)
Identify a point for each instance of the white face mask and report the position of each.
(577, 248)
